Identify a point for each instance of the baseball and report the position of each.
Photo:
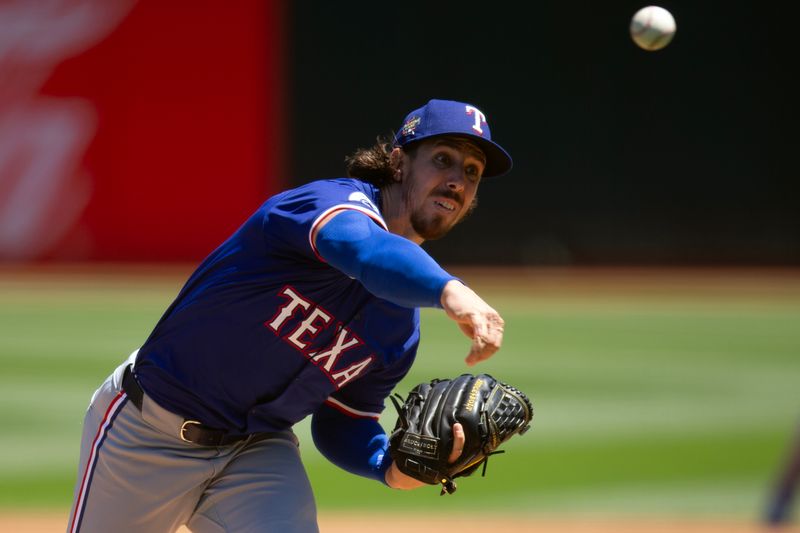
(652, 28)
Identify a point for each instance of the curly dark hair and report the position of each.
(373, 164)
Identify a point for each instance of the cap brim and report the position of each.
(498, 162)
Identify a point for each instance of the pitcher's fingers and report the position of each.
(484, 346)
(467, 330)
(480, 352)
(458, 442)
(476, 351)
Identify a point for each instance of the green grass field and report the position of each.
(656, 393)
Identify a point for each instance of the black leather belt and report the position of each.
(194, 431)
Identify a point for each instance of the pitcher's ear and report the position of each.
(396, 161)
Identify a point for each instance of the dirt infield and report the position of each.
(35, 522)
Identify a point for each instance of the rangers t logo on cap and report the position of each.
(447, 117)
(480, 118)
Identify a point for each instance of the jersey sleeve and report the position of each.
(358, 445)
(292, 219)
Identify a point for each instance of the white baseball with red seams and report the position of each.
(652, 28)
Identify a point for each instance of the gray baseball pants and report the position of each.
(136, 475)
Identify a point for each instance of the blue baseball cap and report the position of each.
(446, 117)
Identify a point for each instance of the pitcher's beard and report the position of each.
(434, 226)
(430, 228)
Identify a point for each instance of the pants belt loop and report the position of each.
(132, 388)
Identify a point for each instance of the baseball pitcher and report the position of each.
(310, 308)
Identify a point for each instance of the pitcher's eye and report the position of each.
(442, 160)
(473, 173)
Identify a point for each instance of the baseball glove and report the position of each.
(489, 411)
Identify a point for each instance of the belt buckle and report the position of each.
(183, 429)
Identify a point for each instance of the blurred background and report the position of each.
(644, 250)
(123, 121)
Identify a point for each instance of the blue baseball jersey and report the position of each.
(265, 331)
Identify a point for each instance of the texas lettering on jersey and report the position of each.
(313, 320)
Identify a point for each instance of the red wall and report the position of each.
(151, 128)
